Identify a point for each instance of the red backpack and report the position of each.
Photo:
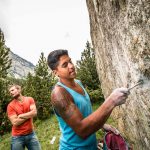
(115, 142)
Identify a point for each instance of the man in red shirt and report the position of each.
(21, 111)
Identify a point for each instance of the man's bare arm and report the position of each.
(20, 119)
(63, 103)
(16, 121)
(65, 107)
(32, 113)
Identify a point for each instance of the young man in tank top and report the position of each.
(21, 111)
(72, 106)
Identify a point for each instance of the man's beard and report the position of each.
(16, 96)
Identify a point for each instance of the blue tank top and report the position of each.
(69, 140)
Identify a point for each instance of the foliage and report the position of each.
(13, 80)
(86, 68)
(5, 64)
(39, 87)
(28, 88)
(95, 95)
(87, 73)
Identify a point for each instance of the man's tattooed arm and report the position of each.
(63, 103)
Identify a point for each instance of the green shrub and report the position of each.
(5, 125)
(96, 96)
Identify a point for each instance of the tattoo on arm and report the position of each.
(63, 104)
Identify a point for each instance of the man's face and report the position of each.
(65, 68)
(14, 92)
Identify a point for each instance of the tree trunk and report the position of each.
(120, 33)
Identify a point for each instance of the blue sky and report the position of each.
(34, 26)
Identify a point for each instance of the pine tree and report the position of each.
(86, 68)
(28, 88)
(87, 73)
(5, 64)
(39, 87)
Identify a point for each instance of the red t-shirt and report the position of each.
(15, 108)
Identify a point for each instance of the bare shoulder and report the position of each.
(60, 92)
(62, 102)
(61, 96)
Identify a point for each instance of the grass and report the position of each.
(5, 142)
(45, 131)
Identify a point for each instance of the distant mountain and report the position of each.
(20, 67)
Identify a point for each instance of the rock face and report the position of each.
(20, 67)
(120, 32)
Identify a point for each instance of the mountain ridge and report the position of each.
(20, 67)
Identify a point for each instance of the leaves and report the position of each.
(86, 68)
(5, 64)
(87, 73)
(39, 87)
